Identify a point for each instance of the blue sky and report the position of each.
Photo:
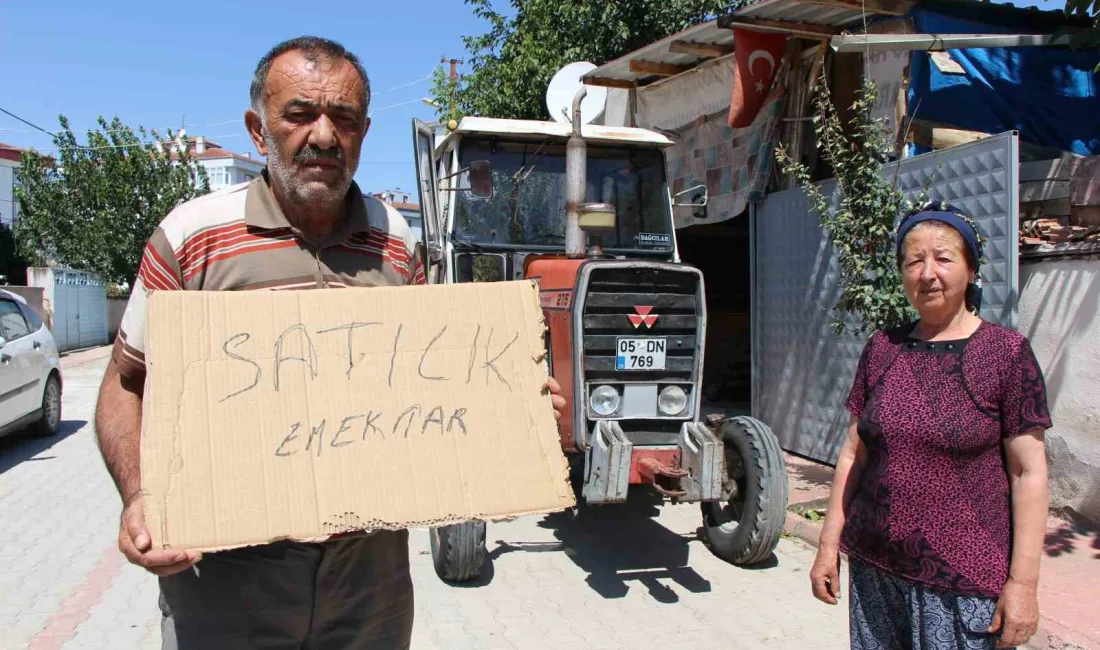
(158, 64)
(152, 63)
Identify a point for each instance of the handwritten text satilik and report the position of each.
(358, 427)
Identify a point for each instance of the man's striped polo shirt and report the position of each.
(238, 239)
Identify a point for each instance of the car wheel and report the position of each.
(50, 422)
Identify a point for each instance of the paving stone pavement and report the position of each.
(628, 576)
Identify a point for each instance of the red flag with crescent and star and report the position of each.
(756, 58)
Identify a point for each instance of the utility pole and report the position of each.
(454, 77)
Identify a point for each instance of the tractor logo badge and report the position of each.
(643, 315)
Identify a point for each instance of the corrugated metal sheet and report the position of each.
(710, 34)
(814, 13)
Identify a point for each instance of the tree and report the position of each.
(513, 62)
(96, 206)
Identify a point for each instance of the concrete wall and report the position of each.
(1060, 315)
(116, 307)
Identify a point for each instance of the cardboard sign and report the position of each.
(302, 414)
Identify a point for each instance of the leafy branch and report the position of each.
(1085, 37)
(861, 227)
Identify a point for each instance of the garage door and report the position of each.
(79, 310)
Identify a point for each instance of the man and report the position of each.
(303, 224)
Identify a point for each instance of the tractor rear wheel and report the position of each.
(458, 550)
(746, 529)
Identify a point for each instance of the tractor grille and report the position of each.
(615, 296)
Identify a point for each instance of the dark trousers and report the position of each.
(349, 594)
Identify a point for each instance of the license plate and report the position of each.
(640, 354)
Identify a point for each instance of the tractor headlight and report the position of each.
(604, 400)
(672, 400)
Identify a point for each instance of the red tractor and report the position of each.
(586, 212)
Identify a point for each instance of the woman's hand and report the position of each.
(825, 576)
(1017, 615)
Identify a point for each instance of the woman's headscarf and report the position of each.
(952, 216)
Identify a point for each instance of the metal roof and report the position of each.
(814, 12)
(843, 15)
(592, 133)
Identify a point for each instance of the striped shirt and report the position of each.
(238, 239)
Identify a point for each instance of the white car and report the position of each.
(30, 373)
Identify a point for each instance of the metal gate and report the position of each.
(802, 371)
(79, 310)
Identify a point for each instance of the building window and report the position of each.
(219, 177)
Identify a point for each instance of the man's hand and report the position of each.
(136, 544)
(556, 397)
(825, 576)
(1017, 615)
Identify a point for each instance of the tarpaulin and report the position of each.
(676, 102)
(1048, 94)
(734, 164)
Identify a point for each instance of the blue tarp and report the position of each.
(1049, 94)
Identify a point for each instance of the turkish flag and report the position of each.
(756, 60)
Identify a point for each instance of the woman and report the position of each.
(940, 492)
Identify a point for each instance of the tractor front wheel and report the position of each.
(746, 529)
(458, 550)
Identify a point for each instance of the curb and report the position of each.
(81, 357)
(798, 526)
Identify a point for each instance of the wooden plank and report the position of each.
(608, 82)
(706, 50)
(785, 26)
(1043, 170)
(892, 26)
(941, 136)
(882, 7)
(819, 61)
(662, 69)
(930, 134)
(1045, 209)
(1045, 190)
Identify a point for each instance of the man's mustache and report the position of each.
(313, 152)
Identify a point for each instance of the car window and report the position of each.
(32, 317)
(12, 324)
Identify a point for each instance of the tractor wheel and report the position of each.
(746, 529)
(458, 550)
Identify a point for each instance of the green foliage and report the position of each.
(1089, 37)
(445, 91)
(861, 228)
(96, 206)
(513, 62)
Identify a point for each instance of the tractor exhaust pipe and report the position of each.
(575, 166)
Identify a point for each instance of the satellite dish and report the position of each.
(563, 88)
